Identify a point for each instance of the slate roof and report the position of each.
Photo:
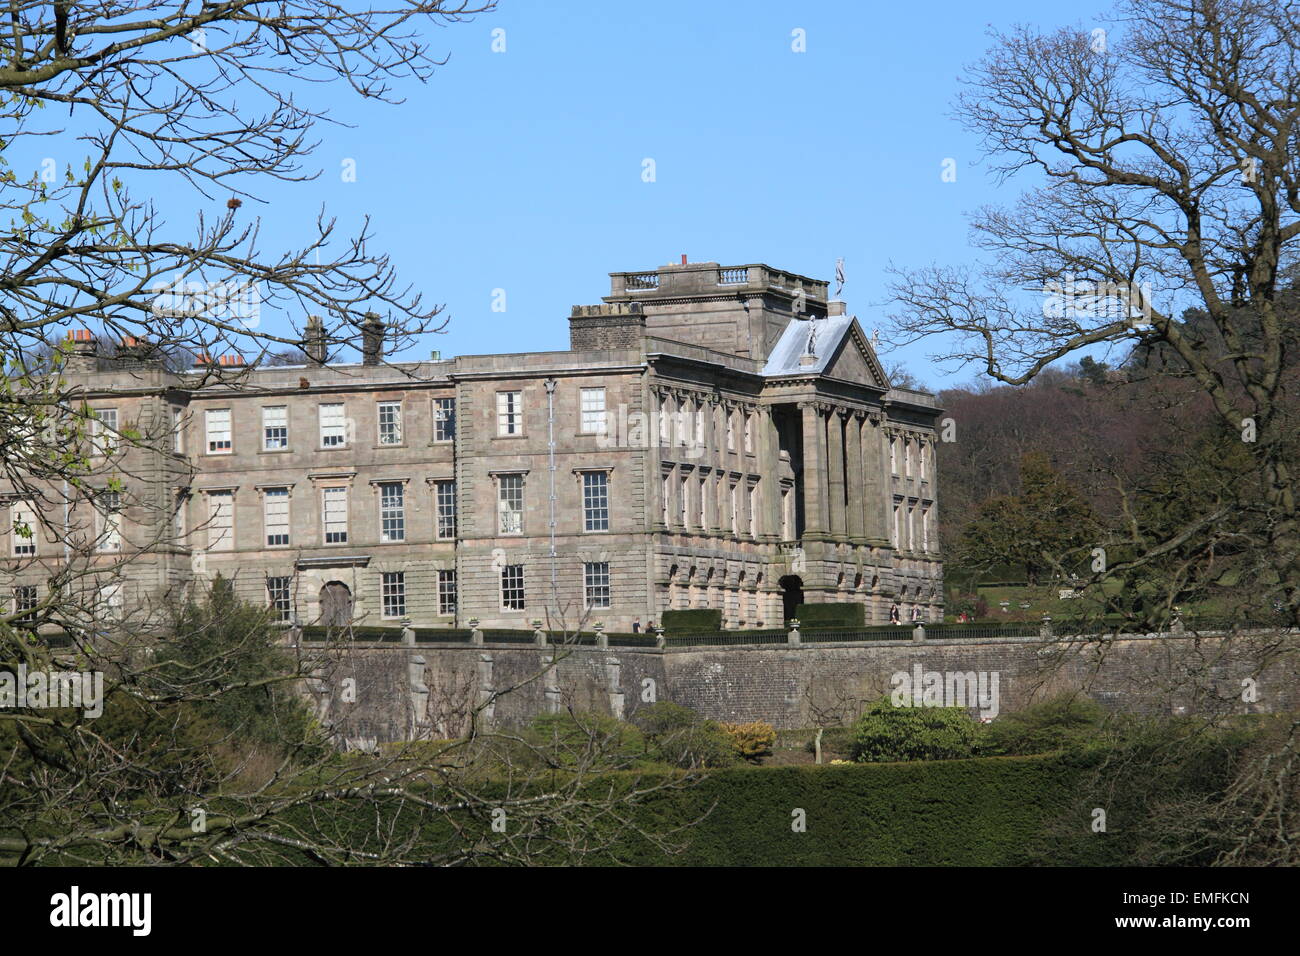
(790, 347)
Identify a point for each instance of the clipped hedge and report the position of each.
(978, 812)
(692, 620)
(847, 616)
(981, 812)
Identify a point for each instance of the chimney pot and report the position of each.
(683, 258)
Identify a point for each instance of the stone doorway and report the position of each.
(791, 594)
(335, 604)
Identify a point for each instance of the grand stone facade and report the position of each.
(714, 437)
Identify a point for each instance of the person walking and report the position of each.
(894, 616)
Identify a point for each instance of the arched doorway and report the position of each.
(791, 594)
(335, 604)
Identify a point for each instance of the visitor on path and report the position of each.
(894, 616)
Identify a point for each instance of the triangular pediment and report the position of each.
(855, 361)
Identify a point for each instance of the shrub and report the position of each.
(888, 733)
(588, 740)
(1069, 720)
(754, 739)
(682, 738)
(692, 621)
(847, 616)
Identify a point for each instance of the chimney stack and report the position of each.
(83, 351)
(313, 342)
(372, 339)
(134, 351)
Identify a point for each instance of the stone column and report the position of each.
(814, 470)
(823, 457)
(857, 491)
(835, 472)
(769, 464)
(880, 497)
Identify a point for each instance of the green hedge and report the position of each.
(982, 812)
(693, 620)
(848, 616)
(978, 812)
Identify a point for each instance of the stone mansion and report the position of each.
(714, 437)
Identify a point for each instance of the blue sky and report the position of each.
(522, 170)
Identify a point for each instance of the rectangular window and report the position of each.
(103, 431)
(178, 429)
(275, 513)
(925, 529)
(893, 456)
(754, 505)
(734, 495)
(333, 426)
(907, 457)
(704, 503)
(279, 599)
(393, 593)
(110, 601)
(109, 536)
(444, 419)
(25, 601)
(392, 512)
(218, 430)
(593, 411)
(445, 507)
(787, 515)
(684, 503)
(390, 423)
(595, 501)
(275, 427)
(221, 520)
(667, 492)
(446, 592)
(665, 423)
(23, 518)
(749, 432)
(179, 525)
(510, 415)
(512, 587)
(596, 583)
(510, 503)
(731, 430)
(699, 425)
(334, 515)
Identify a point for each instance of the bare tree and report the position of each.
(206, 749)
(1162, 152)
